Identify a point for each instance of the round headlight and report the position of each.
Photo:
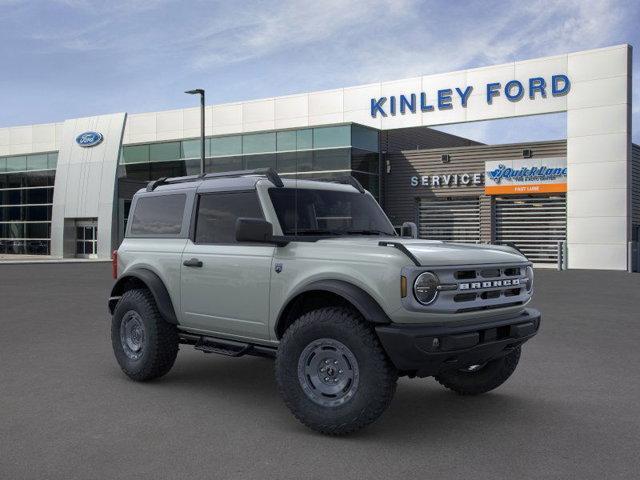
(529, 281)
(425, 288)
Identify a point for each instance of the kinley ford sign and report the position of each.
(447, 98)
(504, 177)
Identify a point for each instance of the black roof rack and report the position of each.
(349, 180)
(269, 173)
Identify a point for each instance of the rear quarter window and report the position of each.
(158, 215)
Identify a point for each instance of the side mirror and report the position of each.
(409, 229)
(254, 230)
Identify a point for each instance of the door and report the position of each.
(450, 219)
(225, 284)
(87, 238)
(535, 224)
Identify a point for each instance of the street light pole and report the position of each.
(200, 91)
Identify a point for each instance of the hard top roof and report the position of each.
(246, 179)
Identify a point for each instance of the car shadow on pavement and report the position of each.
(419, 406)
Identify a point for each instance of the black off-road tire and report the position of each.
(485, 379)
(377, 377)
(160, 346)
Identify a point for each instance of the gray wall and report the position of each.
(635, 184)
(85, 185)
(401, 197)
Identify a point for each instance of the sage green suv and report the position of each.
(314, 275)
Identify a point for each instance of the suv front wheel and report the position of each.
(144, 344)
(332, 372)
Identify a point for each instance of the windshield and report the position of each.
(328, 212)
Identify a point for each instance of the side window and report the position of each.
(158, 215)
(218, 212)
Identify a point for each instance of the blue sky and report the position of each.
(72, 58)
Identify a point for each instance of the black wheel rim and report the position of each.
(328, 372)
(132, 334)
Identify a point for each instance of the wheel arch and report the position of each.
(329, 293)
(145, 278)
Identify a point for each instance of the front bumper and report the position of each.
(425, 350)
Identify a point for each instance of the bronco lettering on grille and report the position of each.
(489, 284)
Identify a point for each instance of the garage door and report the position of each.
(534, 224)
(450, 220)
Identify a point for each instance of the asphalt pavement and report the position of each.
(571, 410)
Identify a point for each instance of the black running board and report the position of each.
(223, 346)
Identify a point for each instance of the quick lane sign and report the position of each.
(526, 175)
(445, 99)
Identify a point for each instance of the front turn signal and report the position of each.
(403, 286)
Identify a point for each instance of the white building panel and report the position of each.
(597, 176)
(590, 204)
(600, 256)
(291, 107)
(599, 63)
(359, 98)
(597, 148)
(326, 104)
(540, 67)
(598, 93)
(597, 120)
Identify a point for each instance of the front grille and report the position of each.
(486, 287)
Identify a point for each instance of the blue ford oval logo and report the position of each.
(89, 139)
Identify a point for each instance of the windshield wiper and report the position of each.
(318, 232)
(369, 232)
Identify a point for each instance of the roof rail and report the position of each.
(350, 180)
(269, 173)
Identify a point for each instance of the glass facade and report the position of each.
(26, 198)
(333, 149)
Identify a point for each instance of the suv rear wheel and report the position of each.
(332, 372)
(144, 344)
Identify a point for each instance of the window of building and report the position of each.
(260, 161)
(223, 164)
(158, 215)
(16, 164)
(339, 159)
(218, 212)
(304, 139)
(286, 141)
(37, 162)
(328, 137)
(259, 143)
(224, 146)
(364, 138)
(162, 152)
(135, 154)
(52, 160)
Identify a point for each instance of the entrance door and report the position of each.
(450, 219)
(225, 284)
(87, 238)
(535, 224)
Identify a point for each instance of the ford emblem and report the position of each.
(89, 139)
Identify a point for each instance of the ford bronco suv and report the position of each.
(314, 275)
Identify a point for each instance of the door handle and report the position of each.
(193, 262)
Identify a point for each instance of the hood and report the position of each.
(437, 253)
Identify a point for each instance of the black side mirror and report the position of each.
(254, 230)
(409, 229)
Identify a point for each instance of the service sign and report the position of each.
(526, 175)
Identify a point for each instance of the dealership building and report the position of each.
(66, 188)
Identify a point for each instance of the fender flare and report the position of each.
(366, 305)
(155, 285)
